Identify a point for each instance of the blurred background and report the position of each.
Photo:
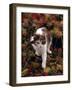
(31, 64)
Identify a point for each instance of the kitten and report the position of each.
(41, 43)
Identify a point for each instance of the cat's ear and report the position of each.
(32, 39)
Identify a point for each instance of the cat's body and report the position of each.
(41, 44)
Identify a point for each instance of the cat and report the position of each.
(41, 43)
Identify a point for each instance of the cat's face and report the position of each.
(39, 39)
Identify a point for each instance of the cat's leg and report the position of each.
(44, 57)
(48, 47)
